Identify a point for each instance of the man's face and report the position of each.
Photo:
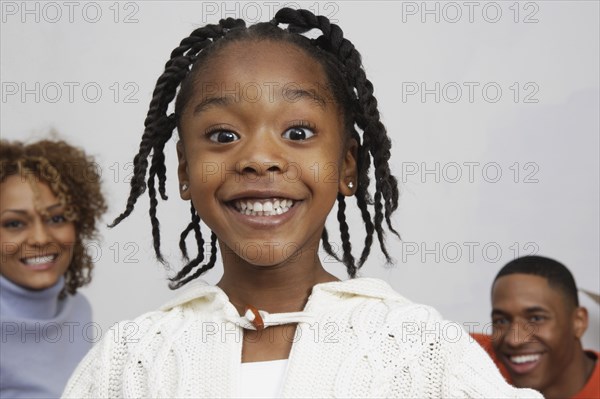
(534, 330)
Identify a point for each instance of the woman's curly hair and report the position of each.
(74, 178)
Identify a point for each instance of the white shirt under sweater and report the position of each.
(356, 338)
(262, 380)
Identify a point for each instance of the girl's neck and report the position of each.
(277, 288)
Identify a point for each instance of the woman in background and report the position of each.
(50, 204)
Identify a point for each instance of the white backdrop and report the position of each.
(492, 108)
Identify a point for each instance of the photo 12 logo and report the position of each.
(470, 92)
(69, 92)
(67, 331)
(469, 172)
(53, 12)
(256, 11)
(452, 12)
(464, 252)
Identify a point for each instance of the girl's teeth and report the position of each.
(267, 208)
(524, 358)
(40, 260)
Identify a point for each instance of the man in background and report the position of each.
(537, 330)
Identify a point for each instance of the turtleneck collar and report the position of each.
(29, 304)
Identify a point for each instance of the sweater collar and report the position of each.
(322, 295)
(29, 304)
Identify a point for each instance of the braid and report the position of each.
(327, 245)
(158, 167)
(153, 219)
(197, 232)
(158, 163)
(363, 198)
(179, 280)
(348, 259)
(194, 225)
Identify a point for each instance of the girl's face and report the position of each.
(36, 249)
(263, 151)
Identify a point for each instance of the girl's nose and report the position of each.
(263, 153)
(259, 168)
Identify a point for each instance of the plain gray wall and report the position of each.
(492, 108)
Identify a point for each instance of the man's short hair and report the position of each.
(557, 274)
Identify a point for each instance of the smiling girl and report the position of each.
(274, 129)
(50, 203)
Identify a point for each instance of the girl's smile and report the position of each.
(263, 209)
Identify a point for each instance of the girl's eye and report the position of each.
(298, 133)
(223, 136)
(13, 224)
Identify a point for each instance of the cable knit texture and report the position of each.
(356, 338)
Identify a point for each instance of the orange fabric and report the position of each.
(485, 341)
(591, 390)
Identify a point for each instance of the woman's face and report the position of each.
(36, 249)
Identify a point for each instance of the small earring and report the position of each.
(350, 184)
(184, 187)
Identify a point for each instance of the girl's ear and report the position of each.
(580, 321)
(182, 173)
(349, 172)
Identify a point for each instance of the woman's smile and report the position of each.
(40, 262)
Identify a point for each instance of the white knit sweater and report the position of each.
(356, 338)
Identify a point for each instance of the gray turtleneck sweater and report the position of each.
(43, 339)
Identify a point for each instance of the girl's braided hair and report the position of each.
(350, 88)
